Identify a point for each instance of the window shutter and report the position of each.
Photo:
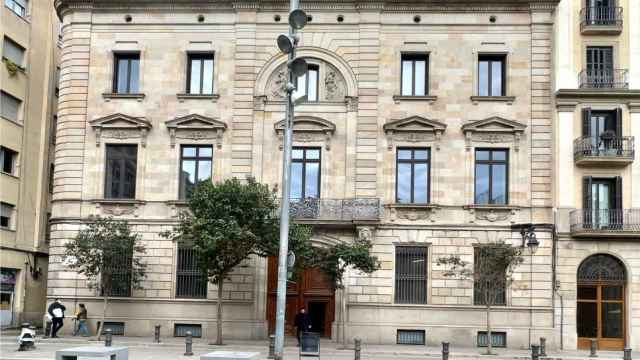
(586, 122)
(587, 181)
(618, 194)
(618, 123)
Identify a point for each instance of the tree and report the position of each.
(107, 253)
(491, 274)
(230, 221)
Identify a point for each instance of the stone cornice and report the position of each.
(598, 95)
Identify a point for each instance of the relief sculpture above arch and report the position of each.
(331, 83)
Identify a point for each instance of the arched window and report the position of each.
(601, 267)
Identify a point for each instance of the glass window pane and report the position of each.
(482, 155)
(407, 77)
(421, 68)
(187, 178)
(296, 180)
(421, 154)
(499, 155)
(123, 71)
(194, 85)
(313, 154)
(612, 320)
(612, 292)
(482, 184)
(188, 151)
(420, 184)
(13, 51)
(587, 292)
(404, 154)
(496, 78)
(499, 184)
(204, 170)
(313, 86)
(205, 151)
(135, 74)
(301, 87)
(483, 78)
(588, 324)
(312, 188)
(404, 183)
(129, 179)
(297, 153)
(207, 76)
(9, 107)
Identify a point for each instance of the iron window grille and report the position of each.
(200, 73)
(498, 339)
(410, 337)
(116, 327)
(492, 177)
(411, 275)
(500, 293)
(492, 75)
(414, 75)
(121, 170)
(191, 282)
(417, 162)
(120, 267)
(180, 330)
(196, 163)
(126, 78)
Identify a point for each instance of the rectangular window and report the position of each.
(492, 168)
(600, 66)
(116, 327)
(493, 291)
(491, 75)
(498, 339)
(19, 7)
(191, 282)
(122, 163)
(6, 215)
(195, 167)
(415, 75)
(180, 330)
(412, 176)
(120, 265)
(411, 275)
(410, 337)
(127, 73)
(602, 202)
(8, 160)
(200, 74)
(305, 173)
(13, 52)
(10, 106)
(307, 84)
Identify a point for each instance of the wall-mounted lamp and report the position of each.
(529, 239)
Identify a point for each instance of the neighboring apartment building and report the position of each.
(30, 35)
(428, 130)
(597, 167)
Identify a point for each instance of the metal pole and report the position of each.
(281, 301)
(535, 354)
(627, 354)
(188, 344)
(272, 346)
(357, 347)
(156, 334)
(445, 350)
(593, 348)
(108, 338)
(543, 347)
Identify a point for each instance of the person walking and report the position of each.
(81, 318)
(56, 311)
(302, 323)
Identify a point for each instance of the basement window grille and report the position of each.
(180, 330)
(117, 328)
(498, 339)
(410, 337)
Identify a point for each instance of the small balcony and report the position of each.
(604, 79)
(338, 212)
(601, 20)
(590, 223)
(603, 150)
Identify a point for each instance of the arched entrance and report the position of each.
(601, 304)
(312, 290)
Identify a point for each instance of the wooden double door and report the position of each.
(311, 290)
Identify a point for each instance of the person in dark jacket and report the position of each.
(302, 323)
(56, 311)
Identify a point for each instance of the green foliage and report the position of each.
(12, 67)
(336, 259)
(97, 252)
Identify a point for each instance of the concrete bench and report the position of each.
(94, 353)
(229, 355)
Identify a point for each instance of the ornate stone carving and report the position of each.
(492, 214)
(120, 134)
(108, 207)
(278, 86)
(351, 102)
(414, 129)
(493, 138)
(196, 127)
(118, 210)
(120, 126)
(412, 213)
(308, 129)
(493, 130)
(365, 233)
(333, 84)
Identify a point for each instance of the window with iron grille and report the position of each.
(498, 339)
(195, 167)
(117, 327)
(180, 330)
(121, 162)
(200, 74)
(410, 337)
(495, 292)
(411, 275)
(191, 282)
(120, 266)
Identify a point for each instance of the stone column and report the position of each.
(566, 77)
(630, 20)
(634, 112)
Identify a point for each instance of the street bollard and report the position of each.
(627, 354)
(543, 347)
(188, 343)
(593, 348)
(445, 350)
(156, 334)
(535, 352)
(108, 337)
(356, 349)
(272, 347)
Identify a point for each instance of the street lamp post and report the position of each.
(530, 239)
(295, 68)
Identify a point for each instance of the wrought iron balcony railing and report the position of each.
(604, 79)
(600, 15)
(603, 147)
(608, 221)
(335, 210)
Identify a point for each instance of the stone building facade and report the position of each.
(597, 192)
(29, 31)
(442, 93)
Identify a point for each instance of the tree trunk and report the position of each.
(489, 342)
(104, 315)
(219, 315)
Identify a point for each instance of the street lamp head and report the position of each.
(286, 43)
(298, 66)
(297, 19)
(533, 243)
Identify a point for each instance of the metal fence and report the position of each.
(335, 209)
(600, 15)
(191, 282)
(610, 220)
(604, 79)
(590, 146)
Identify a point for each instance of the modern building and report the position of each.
(597, 167)
(28, 94)
(427, 130)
